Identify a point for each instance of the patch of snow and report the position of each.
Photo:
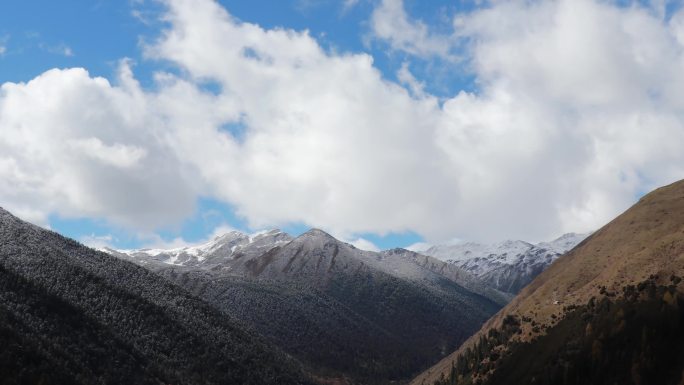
(197, 254)
(485, 259)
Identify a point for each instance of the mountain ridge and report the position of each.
(503, 267)
(507, 265)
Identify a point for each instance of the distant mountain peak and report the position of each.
(398, 250)
(566, 236)
(228, 235)
(314, 232)
(217, 251)
(507, 265)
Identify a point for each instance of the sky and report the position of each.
(163, 123)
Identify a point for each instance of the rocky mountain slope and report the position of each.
(69, 314)
(609, 311)
(351, 316)
(506, 266)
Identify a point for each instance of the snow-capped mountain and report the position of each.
(223, 248)
(275, 255)
(509, 265)
(495, 270)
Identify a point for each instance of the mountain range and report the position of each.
(392, 308)
(507, 266)
(349, 315)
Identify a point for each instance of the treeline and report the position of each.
(632, 337)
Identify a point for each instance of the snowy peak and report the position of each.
(506, 251)
(275, 235)
(317, 233)
(509, 265)
(214, 252)
(509, 251)
(565, 242)
(316, 237)
(320, 237)
(314, 255)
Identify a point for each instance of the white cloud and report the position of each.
(117, 155)
(69, 145)
(582, 102)
(418, 246)
(97, 241)
(391, 23)
(3, 44)
(363, 244)
(154, 241)
(580, 108)
(324, 139)
(66, 51)
(59, 49)
(349, 4)
(142, 16)
(405, 76)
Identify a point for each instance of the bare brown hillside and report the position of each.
(647, 240)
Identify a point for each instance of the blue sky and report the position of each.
(39, 35)
(388, 122)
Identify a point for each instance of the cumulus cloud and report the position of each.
(581, 98)
(579, 110)
(324, 144)
(77, 145)
(363, 244)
